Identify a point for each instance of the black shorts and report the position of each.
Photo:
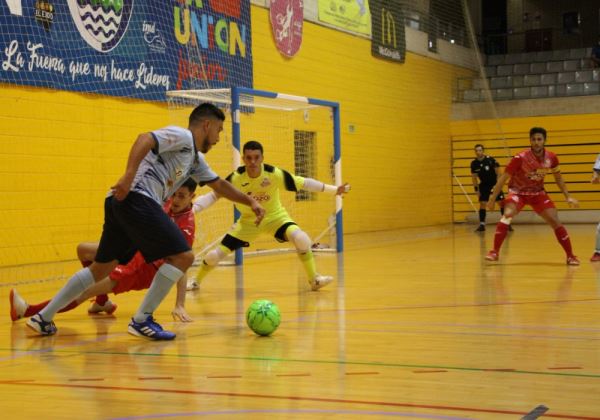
(138, 223)
(485, 191)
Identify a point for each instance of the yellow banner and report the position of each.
(351, 15)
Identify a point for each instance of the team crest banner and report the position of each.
(131, 48)
(287, 18)
(388, 39)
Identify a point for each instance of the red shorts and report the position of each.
(137, 275)
(538, 203)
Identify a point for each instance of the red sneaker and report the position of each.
(572, 260)
(595, 257)
(492, 256)
(18, 306)
(108, 308)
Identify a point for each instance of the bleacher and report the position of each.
(540, 74)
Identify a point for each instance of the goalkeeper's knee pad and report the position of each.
(214, 256)
(299, 238)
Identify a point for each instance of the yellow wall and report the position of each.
(398, 158)
(573, 138)
(60, 151)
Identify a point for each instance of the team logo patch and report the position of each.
(265, 183)
(44, 13)
(153, 37)
(102, 24)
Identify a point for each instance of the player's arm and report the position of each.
(497, 188)
(563, 188)
(205, 201)
(143, 144)
(475, 183)
(314, 185)
(225, 189)
(179, 313)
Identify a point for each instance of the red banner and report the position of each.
(287, 17)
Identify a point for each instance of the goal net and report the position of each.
(300, 135)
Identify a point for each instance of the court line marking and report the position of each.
(429, 371)
(450, 333)
(292, 411)
(290, 398)
(338, 362)
(565, 367)
(465, 305)
(362, 373)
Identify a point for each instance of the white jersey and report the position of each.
(165, 168)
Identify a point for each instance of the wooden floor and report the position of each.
(417, 325)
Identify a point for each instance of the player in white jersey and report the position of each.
(159, 163)
(263, 182)
(596, 180)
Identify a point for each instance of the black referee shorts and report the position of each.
(485, 191)
(138, 223)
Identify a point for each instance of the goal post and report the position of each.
(299, 134)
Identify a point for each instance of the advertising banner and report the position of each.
(130, 48)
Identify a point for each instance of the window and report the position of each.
(305, 158)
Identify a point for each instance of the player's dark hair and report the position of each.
(479, 145)
(537, 130)
(190, 184)
(253, 145)
(206, 111)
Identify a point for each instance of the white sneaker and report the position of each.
(18, 306)
(320, 281)
(108, 307)
(192, 285)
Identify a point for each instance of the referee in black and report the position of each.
(487, 169)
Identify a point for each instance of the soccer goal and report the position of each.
(299, 134)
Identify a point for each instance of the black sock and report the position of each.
(482, 216)
(502, 211)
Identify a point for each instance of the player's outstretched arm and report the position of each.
(573, 202)
(205, 201)
(143, 144)
(313, 185)
(179, 313)
(225, 189)
(497, 188)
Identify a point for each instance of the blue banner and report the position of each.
(131, 48)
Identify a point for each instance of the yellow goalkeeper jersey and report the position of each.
(265, 189)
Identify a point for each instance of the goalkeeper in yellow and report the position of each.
(263, 183)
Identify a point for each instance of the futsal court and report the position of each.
(416, 325)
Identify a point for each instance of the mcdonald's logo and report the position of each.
(388, 28)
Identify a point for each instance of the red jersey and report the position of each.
(527, 172)
(138, 274)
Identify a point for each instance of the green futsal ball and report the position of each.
(263, 317)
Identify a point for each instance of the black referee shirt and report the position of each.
(485, 170)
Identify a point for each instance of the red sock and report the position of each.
(70, 306)
(34, 309)
(563, 239)
(501, 231)
(101, 299)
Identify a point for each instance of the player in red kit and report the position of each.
(526, 172)
(135, 275)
